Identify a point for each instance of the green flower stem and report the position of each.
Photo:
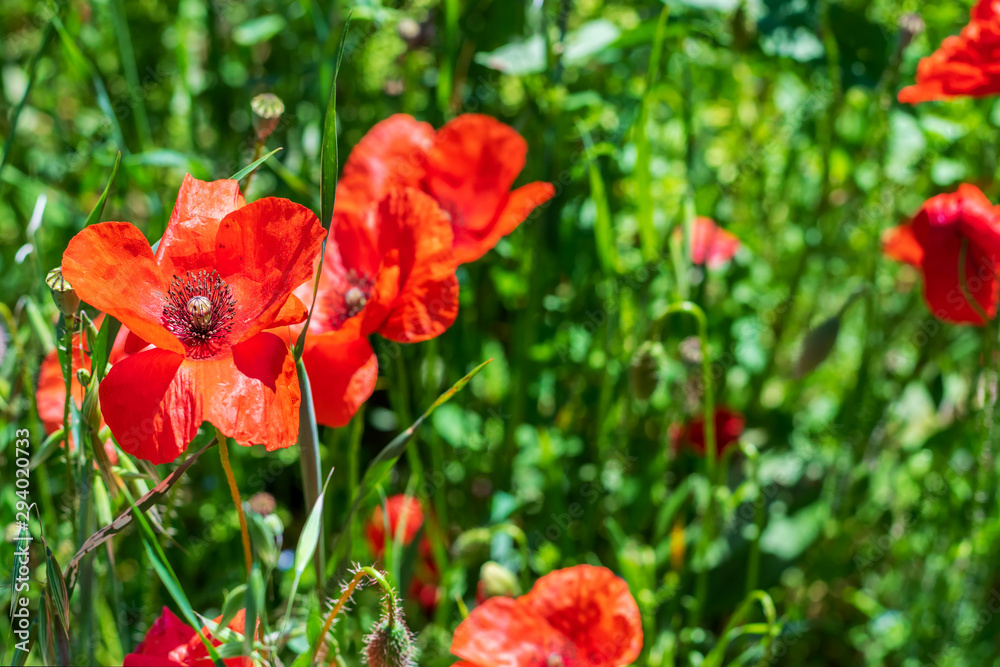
(235, 492)
(708, 402)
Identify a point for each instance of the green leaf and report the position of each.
(254, 597)
(386, 459)
(234, 601)
(259, 29)
(95, 213)
(329, 166)
(245, 171)
(166, 574)
(100, 349)
(516, 58)
(56, 585)
(307, 544)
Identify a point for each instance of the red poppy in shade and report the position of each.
(403, 512)
(222, 274)
(50, 393)
(170, 642)
(964, 64)
(582, 616)
(468, 167)
(388, 271)
(424, 588)
(933, 242)
(728, 429)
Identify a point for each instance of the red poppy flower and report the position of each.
(468, 167)
(933, 241)
(424, 585)
(170, 642)
(398, 508)
(711, 245)
(965, 64)
(50, 393)
(222, 274)
(728, 429)
(389, 271)
(582, 616)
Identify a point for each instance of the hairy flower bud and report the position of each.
(267, 109)
(391, 644)
(62, 292)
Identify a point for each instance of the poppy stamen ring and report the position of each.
(199, 310)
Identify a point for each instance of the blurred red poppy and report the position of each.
(933, 242)
(50, 393)
(399, 509)
(468, 167)
(729, 426)
(582, 616)
(388, 271)
(711, 245)
(964, 64)
(170, 642)
(222, 274)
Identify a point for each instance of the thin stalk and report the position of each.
(708, 403)
(235, 492)
(345, 596)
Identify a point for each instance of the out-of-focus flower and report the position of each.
(933, 240)
(223, 272)
(50, 393)
(711, 245)
(468, 167)
(729, 426)
(170, 642)
(967, 64)
(387, 271)
(402, 511)
(579, 616)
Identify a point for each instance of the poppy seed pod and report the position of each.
(62, 292)
(390, 643)
(817, 346)
(267, 109)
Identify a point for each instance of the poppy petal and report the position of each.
(264, 251)
(391, 154)
(470, 245)
(414, 227)
(474, 162)
(111, 267)
(593, 608)
(149, 402)
(293, 312)
(188, 244)
(501, 632)
(253, 396)
(900, 244)
(980, 220)
(342, 375)
(396, 508)
(942, 290)
(164, 637)
(197, 654)
(711, 245)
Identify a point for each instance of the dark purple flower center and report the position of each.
(351, 299)
(199, 311)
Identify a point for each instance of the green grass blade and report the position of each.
(647, 232)
(329, 167)
(98, 210)
(245, 171)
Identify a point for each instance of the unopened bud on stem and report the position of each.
(62, 292)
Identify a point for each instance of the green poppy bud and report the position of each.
(391, 644)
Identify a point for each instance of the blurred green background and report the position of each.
(777, 119)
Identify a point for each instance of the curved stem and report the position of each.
(235, 492)
(345, 596)
(708, 401)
